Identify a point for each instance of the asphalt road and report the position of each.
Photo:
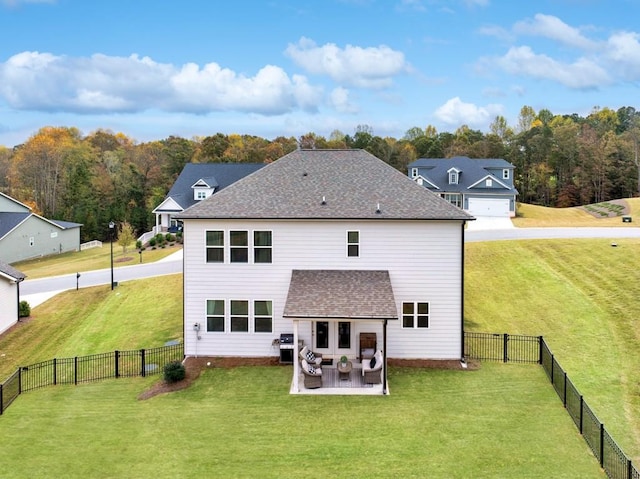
(36, 291)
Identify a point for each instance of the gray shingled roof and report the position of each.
(340, 294)
(353, 184)
(219, 175)
(8, 221)
(472, 170)
(7, 270)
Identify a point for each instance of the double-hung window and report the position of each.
(239, 316)
(215, 246)
(263, 316)
(353, 244)
(262, 247)
(215, 315)
(239, 246)
(415, 315)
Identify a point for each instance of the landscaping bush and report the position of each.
(24, 310)
(138, 244)
(152, 242)
(174, 372)
(169, 237)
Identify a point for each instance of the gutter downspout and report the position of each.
(18, 281)
(462, 295)
(384, 358)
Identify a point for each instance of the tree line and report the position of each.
(560, 160)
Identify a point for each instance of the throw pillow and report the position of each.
(312, 370)
(372, 362)
(311, 357)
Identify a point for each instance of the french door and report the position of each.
(334, 338)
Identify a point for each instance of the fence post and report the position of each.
(564, 393)
(629, 469)
(116, 355)
(1, 401)
(540, 342)
(19, 381)
(142, 372)
(55, 371)
(505, 348)
(75, 370)
(552, 361)
(581, 412)
(601, 445)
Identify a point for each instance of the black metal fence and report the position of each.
(80, 369)
(534, 349)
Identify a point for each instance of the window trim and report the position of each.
(235, 248)
(239, 316)
(355, 244)
(415, 315)
(262, 248)
(207, 316)
(207, 247)
(256, 316)
(505, 174)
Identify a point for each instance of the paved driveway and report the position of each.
(482, 223)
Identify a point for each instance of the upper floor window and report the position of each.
(453, 177)
(215, 246)
(262, 247)
(239, 246)
(505, 174)
(414, 172)
(353, 244)
(415, 315)
(200, 195)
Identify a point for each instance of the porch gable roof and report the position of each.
(336, 294)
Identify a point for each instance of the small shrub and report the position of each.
(24, 310)
(174, 372)
(169, 237)
(138, 244)
(152, 242)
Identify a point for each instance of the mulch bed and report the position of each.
(194, 366)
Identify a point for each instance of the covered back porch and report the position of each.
(329, 310)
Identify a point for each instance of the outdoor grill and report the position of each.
(286, 348)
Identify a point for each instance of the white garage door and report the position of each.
(488, 207)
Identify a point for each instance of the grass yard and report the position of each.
(139, 314)
(91, 259)
(582, 295)
(500, 421)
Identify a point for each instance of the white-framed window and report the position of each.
(262, 247)
(239, 316)
(453, 198)
(215, 246)
(489, 182)
(453, 177)
(414, 172)
(263, 316)
(505, 174)
(239, 246)
(32, 240)
(415, 314)
(353, 244)
(215, 315)
(201, 194)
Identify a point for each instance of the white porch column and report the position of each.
(296, 368)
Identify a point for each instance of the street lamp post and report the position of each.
(112, 225)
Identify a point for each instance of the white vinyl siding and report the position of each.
(423, 259)
(9, 300)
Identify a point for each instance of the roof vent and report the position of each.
(378, 209)
(324, 202)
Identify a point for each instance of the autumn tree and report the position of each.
(126, 235)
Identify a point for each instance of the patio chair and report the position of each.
(312, 375)
(311, 357)
(372, 374)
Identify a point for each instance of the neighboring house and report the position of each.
(25, 235)
(482, 187)
(324, 244)
(197, 182)
(10, 279)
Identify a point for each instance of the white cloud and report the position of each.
(623, 51)
(582, 73)
(372, 67)
(339, 99)
(101, 84)
(456, 112)
(553, 28)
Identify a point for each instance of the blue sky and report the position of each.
(151, 69)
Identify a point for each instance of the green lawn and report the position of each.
(91, 259)
(500, 421)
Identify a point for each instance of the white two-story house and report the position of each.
(324, 244)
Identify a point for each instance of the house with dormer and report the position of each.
(197, 182)
(327, 248)
(482, 187)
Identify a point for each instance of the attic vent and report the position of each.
(323, 202)
(378, 209)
